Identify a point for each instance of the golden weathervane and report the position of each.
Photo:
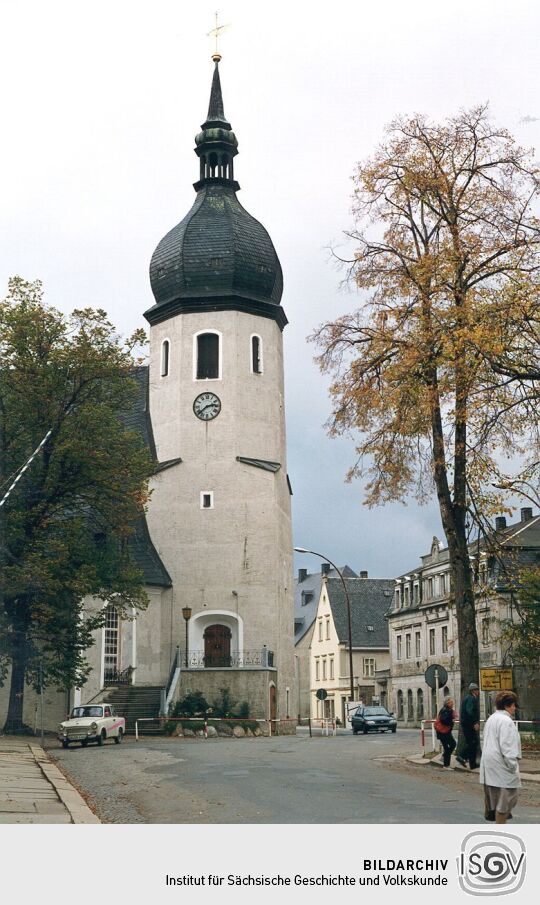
(216, 32)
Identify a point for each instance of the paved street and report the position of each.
(346, 779)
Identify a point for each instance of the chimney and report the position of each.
(526, 514)
(500, 522)
(363, 575)
(302, 575)
(325, 568)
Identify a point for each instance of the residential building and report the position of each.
(370, 599)
(423, 627)
(307, 593)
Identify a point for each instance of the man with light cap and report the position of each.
(469, 721)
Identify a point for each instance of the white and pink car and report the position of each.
(92, 723)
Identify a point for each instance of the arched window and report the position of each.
(165, 357)
(111, 644)
(208, 365)
(420, 704)
(400, 705)
(256, 354)
(410, 705)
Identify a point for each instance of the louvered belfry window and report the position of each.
(208, 356)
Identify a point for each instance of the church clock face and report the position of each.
(207, 406)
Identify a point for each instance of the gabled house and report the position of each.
(307, 591)
(370, 599)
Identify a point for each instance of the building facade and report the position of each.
(369, 599)
(307, 592)
(423, 627)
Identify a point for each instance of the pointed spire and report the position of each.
(216, 113)
(216, 145)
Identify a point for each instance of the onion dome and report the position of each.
(218, 257)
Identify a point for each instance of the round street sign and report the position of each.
(429, 675)
(321, 694)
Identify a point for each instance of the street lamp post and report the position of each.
(186, 613)
(349, 622)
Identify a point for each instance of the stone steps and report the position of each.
(136, 702)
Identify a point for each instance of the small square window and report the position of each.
(207, 499)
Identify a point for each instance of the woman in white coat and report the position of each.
(501, 750)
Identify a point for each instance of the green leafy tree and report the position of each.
(65, 524)
(523, 633)
(437, 372)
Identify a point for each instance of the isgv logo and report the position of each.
(491, 864)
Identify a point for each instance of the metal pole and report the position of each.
(349, 621)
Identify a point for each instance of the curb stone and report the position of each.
(435, 762)
(68, 795)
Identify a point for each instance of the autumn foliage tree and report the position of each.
(438, 369)
(65, 524)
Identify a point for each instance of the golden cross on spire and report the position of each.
(216, 32)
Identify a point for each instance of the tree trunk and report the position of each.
(453, 521)
(466, 615)
(14, 719)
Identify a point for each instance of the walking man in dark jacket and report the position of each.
(469, 720)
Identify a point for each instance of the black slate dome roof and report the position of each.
(217, 249)
(218, 256)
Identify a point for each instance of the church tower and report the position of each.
(219, 514)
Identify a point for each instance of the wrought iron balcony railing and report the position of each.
(237, 659)
(113, 676)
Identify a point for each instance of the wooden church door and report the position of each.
(217, 646)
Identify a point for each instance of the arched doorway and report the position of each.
(217, 646)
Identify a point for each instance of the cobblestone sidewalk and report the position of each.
(34, 790)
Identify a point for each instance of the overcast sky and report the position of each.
(100, 106)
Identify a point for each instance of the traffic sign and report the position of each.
(429, 675)
(496, 679)
(321, 694)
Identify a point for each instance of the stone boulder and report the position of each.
(189, 733)
(239, 732)
(212, 732)
(222, 729)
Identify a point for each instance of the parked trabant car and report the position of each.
(373, 719)
(92, 723)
